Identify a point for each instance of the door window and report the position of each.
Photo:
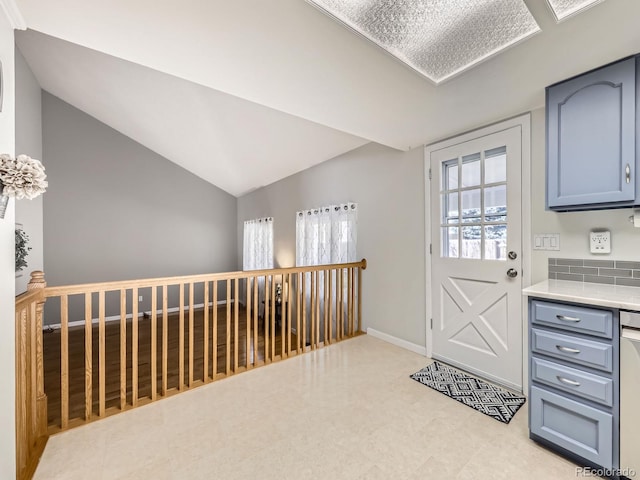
(473, 192)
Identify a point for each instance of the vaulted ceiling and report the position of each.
(243, 93)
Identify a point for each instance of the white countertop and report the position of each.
(615, 296)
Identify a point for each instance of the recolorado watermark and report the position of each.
(605, 472)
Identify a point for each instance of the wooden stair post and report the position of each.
(31, 401)
(38, 282)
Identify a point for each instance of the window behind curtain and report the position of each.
(327, 235)
(258, 244)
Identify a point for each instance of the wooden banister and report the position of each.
(31, 401)
(192, 335)
(150, 282)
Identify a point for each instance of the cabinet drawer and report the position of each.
(578, 428)
(577, 319)
(573, 349)
(579, 383)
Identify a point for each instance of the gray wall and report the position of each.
(29, 141)
(116, 210)
(573, 227)
(7, 263)
(389, 187)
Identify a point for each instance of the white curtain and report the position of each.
(258, 244)
(324, 236)
(257, 251)
(327, 235)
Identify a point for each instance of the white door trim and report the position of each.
(524, 121)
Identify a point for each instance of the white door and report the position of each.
(476, 236)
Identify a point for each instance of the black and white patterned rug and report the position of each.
(482, 396)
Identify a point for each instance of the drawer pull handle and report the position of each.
(564, 349)
(573, 383)
(567, 319)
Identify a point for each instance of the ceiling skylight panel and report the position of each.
(565, 8)
(438, 38)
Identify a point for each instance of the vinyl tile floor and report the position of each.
(348, 411)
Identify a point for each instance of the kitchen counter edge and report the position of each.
(596, 294)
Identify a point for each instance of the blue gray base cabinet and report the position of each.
(574, 404)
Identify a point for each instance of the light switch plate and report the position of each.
(600, 242)
(546, 241)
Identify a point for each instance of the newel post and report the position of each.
(38, 282)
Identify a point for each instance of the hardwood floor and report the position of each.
(52, 349)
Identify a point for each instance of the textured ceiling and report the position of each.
(565, 8)
(432, 36)
(338, 89)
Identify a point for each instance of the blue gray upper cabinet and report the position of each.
(591, 139)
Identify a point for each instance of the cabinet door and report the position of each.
(591, 137)
(578, 428)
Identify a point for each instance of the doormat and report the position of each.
(473, 392)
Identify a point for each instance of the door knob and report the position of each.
(512, 255)
(512, 273)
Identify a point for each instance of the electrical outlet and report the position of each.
(600, 241)
(140, 298)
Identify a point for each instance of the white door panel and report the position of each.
(475, 224)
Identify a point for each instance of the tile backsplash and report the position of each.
(611, 272)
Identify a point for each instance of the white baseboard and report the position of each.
(419, 349)
(113, 318)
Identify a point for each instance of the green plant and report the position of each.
(22, 250)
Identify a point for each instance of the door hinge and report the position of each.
(431, 249)
(429, 174)
(431, 323)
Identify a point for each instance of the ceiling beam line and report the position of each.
(11, 10)
(542, 13)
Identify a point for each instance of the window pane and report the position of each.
(495, 242)
(495, 165)
(471, 205)
(495, 203)
(471, 170)
(471, 242)
(495, 218)
(451, 175)
(450, 242)
(450, 212)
